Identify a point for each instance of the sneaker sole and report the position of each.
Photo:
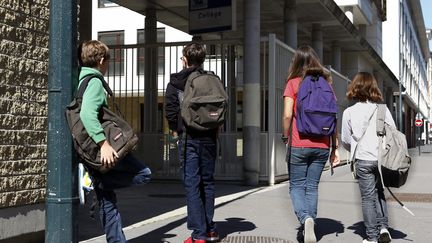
(309, 236)
(80, 185)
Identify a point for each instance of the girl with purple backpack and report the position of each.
(306, 154)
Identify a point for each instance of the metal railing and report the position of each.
(225, 59)
(276, 57)
(127, 78)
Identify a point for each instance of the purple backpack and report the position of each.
(316, 107)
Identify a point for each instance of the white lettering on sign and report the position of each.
(211, 19)
(209, 14)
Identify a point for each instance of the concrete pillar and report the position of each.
(251, 92)
(317, 40)
(290, 23)
(349, 13)
(336, 56)
(85, 20)
(150, 73)
(362, 30)
(390, 102)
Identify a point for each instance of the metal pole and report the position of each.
(251, 92)
(400, 106)
(401, 128)
(151, 69)
(418, 106)
(272, 109)
(61, 198)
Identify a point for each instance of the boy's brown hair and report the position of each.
(91, 52)
(364, 87)
(195, 53)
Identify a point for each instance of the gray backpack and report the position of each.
(393, 152)
(205, 101)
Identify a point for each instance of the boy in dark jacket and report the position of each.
(197, 156)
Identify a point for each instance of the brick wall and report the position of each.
(23, 101)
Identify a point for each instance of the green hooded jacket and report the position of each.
(94, 98)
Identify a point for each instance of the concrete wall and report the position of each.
(23, 116)
(130, 22)
(390, 33)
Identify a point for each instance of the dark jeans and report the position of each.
(305, 169)
(374, 205)
(128, 171)
(198, 170)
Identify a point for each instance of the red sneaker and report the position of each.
(188, 240)
(191, 240)
(213, 236)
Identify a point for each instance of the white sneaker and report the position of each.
(384, 236)
(309, 231)
(369, 241)
(84, 183)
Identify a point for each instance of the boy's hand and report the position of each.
(108, 155)
(173, 138)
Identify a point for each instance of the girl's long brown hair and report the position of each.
(306, 61)
(364, 87)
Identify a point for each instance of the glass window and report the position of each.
(161, 51)
(106, 4)
(116, 65)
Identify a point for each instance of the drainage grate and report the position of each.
(253, 239)
(412, 197)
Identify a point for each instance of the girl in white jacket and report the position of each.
(359, 130)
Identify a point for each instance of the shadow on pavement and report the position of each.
(232, 225)
(225, 228)
(359, 229)
(160, 234)
(143, 202)
(327, 226)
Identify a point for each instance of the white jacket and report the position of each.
(355, 121)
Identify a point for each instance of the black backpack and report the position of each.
(118, 132)
(204, 102)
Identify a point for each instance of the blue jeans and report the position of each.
(305, 169)
(374, 205)
(198, 170)
(127, 172)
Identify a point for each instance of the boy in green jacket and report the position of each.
(94, 58)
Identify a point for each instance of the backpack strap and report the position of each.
(86, 79)
(380, 128)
